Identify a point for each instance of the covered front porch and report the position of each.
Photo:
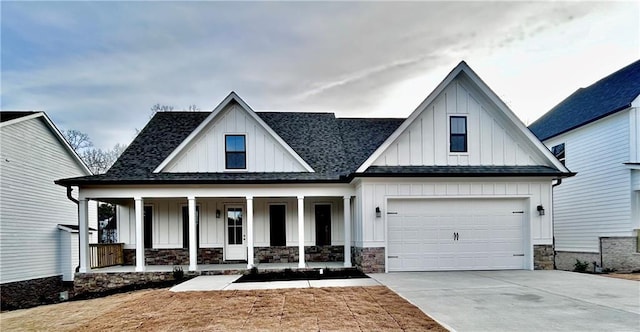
(215, 229)
(205, 269)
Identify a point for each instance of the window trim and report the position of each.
(562, 160)
(226, 161)
(466, 133)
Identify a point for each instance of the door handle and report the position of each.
(456, 236)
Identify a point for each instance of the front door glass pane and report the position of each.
(234, 225)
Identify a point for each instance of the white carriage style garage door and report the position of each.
(455, 234)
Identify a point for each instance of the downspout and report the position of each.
(69, 190)
(553, 215)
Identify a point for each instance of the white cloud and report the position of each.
(115, 60)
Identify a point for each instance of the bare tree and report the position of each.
(98, 160)
(77, 139)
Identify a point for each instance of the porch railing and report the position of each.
(105, 254)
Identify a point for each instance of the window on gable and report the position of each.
(558, 151)
(458, 134)
(235, 149)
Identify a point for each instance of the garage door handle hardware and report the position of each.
(456, 236)
(518, 212)
(392, 212)
(518, 254)
(392, 256)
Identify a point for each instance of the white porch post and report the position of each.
(347, 231)
(193, 235)
(301, 262)
(83, 223)
(139, 207)
(249, 232)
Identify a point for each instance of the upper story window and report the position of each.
(235, 151)
(558, 151)
(458, 134)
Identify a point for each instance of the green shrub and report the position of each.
(178, 273)
(580, 266)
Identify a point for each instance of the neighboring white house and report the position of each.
(595, 132)
(461, 184)
(33, 154)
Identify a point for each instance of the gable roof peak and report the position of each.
(231, 97)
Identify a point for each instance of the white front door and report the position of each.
(235, 235)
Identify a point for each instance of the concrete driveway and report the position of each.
(521, 300)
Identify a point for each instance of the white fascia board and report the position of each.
(66, 144)
(383, 147)
(514, 118)
(460, 68)
(55, 132)
(20, 119)
(213, 115)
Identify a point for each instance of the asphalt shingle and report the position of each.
(607, 96)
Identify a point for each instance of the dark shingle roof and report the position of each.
(361, 137)
(9, 115)
(607, 96)
(333, 147)
(455, 171)
(164, 132)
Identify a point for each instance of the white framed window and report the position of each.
(235, 151)
(458, 134)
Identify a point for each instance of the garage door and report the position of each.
(455, 234)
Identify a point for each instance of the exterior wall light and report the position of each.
(378, 212)
(540, 209)
(217, 213)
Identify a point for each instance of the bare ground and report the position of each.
(307, 309)
(628, 276)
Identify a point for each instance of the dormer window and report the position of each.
(235, 151)
(458, 134)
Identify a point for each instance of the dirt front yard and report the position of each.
(306, 309)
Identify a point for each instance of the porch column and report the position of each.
(347, 231)
(139, 207)
(83, 233)
(249, 232)
(301, 262)
(193, 235)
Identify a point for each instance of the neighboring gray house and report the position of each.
(37, 220)
(461, 184)
(595, 132)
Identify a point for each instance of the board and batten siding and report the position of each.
(167, 226)
(31, 205)
(491, 137)
(374, 193)
(206, 153)
(597, 201)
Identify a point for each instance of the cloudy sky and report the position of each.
(99, 66)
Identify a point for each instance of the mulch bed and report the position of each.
(289, 274)
(307, 309)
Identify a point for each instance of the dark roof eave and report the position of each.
(463, 175)
(621, 108)
(71, 182)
